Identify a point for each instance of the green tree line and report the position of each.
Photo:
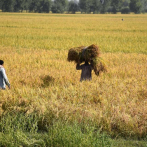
(73, 6)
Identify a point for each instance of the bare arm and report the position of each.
(78, 67)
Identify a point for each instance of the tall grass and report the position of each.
(22, 130)
(46, 87)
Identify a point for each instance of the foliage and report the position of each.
(85, 5)
(116, 4)
(125, 10)
(144, 6)
(104, 7)
(40, 6)
(62, 6)
(95, 7)
(18, 5)
(8, 5)
(73, 6)
(19, 129)
(59, 6)
(135, 6)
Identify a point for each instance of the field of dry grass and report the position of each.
(35, 47)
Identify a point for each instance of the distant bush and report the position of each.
(125, 10)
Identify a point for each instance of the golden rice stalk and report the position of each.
(99, 65)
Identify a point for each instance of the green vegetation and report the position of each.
(20, 130)
(26, 130)
(74, 6)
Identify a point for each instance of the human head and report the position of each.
(1, 62)
(86, 62)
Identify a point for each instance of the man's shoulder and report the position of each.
(85, 66)
(2, 68)
(89, 65)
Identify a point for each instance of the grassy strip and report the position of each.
(23, 130)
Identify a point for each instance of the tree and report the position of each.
(144, 6)
(116, 5)
(105, 6)
(8, 5)
(73, 6)
(44, 6)
(41, 6)
(33, 4)
(47, 6)
(125, 10)
(26, 5)
(125, 3)
(59, 6)
(1, 3)
(19, 5)
(85, 6)
(95, 8)
(135, 6)
(125, 7)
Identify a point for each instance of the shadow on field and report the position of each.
(47, 81)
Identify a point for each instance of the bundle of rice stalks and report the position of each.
(75, 54)
(82, 53)
(90, 54)
(99, 65)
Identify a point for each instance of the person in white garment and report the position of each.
(3, 77)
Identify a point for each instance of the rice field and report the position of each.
(35, 48)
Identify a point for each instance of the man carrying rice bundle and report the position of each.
(86, 71)
(88, 55)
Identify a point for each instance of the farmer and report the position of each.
(86, 71)
(3, 77)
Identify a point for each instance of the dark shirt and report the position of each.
(86, 71)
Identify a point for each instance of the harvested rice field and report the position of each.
(46, 88)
